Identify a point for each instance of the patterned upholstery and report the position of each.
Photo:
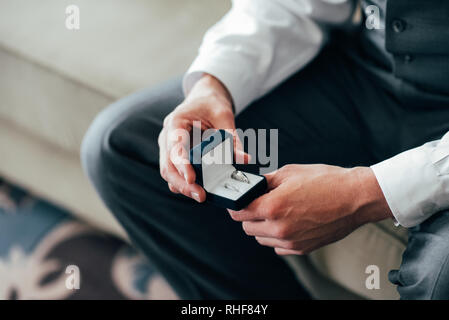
(38, 241)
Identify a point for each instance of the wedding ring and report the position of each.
(231, 187)
(239, 176)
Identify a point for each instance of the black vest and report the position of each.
(413, 42)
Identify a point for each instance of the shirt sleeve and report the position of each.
(415, 183)
(259, 43)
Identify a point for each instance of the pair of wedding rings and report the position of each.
(239, 176)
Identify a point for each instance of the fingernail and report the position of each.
(195, 196)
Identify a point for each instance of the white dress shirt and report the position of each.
(260, 43)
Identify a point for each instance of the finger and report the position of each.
(223, 118)
(177, 139)
(268, 206)
(307, 246)
(179, 157)
(241, 157)
(287, 252)
(238, 145)
(163, 163)
(172, 188)
(170, 174)
(258, 228)
(262, 208)
(275, 243)
(193, 191)
(245, 215)
(274, 179)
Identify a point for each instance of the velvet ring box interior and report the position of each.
(213, 162)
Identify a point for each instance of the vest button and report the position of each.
(398, 25)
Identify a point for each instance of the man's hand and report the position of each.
(309, 206)
(210, 103)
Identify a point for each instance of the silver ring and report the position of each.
(239, 176)
(231, 187)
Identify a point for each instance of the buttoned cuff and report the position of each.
(412, 183)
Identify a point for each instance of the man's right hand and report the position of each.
(210, 103)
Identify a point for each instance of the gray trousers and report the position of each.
(334, 112)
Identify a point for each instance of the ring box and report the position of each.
(213, 162)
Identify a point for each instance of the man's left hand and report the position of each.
(309, 206)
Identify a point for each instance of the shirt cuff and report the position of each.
(412, 184)
(234, 78)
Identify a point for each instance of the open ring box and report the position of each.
(213, 162)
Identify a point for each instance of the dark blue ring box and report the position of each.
(213, 162)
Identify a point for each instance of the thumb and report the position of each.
(241, 157)
(227, 123)
(274, 179)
